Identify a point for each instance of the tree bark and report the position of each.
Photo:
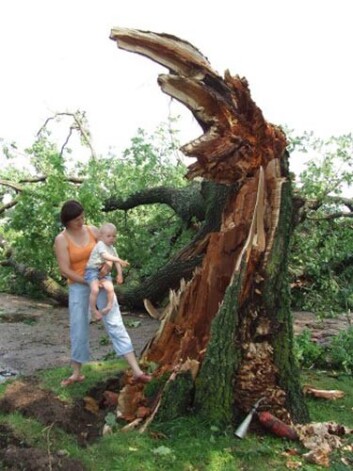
(187, 202)
(182, 265)
(48, 285)
(226, 338)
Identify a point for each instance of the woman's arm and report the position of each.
(63, 259)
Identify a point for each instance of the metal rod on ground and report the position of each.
(243, 427)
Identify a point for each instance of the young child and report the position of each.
(104, 251)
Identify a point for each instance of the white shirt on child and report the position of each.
(95, 260)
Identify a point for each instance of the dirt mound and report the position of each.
(84, 419)
(16, 454)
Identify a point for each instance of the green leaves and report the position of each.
(328, 168)
(322, 245)
(336, 355)
(52, 176)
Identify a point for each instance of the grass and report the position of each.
(340, 410)
(95, 372)
(185, 444)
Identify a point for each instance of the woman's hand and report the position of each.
(105, 269)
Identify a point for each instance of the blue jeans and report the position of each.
(79, 323)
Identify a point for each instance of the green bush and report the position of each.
(307, 353)
(340, 351)
(337, 355)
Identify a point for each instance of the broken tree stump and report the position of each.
(226, 338)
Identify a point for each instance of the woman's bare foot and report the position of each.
(142, 378)
(106, 309)
(72, 380)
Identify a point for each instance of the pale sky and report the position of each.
(56, 56)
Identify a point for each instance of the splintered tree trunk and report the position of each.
(226, 338)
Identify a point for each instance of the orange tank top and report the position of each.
(79, 255)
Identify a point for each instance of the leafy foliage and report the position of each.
(322, 246)
(340, 351)
(307, 352)
(146, 233)
(328, 167)
(321, 266)
(335, 355)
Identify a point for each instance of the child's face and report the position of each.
(108, 236)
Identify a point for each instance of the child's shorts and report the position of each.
(92, 274)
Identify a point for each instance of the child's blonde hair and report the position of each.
(107, 226)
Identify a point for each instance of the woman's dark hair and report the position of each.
(70, 210)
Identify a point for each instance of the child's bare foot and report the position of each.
(106, 309)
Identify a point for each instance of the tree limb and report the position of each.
(187, 202)
(7, 206)
(78, 125)
(48, 285)
(330, 217)
(13, 185)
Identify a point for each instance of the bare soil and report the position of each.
(16, 455)
(34, 336)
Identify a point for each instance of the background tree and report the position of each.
(321, 251)
(50, 176)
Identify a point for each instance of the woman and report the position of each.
(73, 247)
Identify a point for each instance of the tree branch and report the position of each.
(13, 185)
(78, 125)
(48, 285)
(187, 202)
(7, 206)
(330, 217)
(304, 206)
(19, 188)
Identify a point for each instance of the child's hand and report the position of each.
(124, 263)
(120, 279)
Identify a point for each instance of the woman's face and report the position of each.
(77, 222)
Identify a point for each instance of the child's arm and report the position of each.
(119, 275)
(108, 257)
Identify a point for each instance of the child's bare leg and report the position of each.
(94, 287)
(109, 288)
